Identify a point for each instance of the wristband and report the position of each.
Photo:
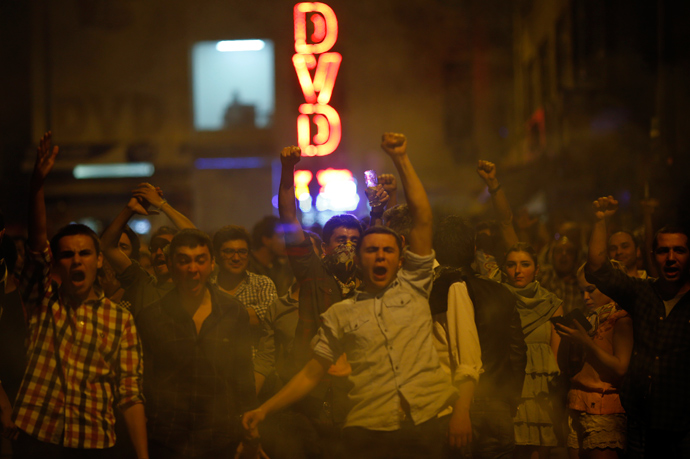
(495, 190)
(164, 202)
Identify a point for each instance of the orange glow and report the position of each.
(328, 34)
(324, 76)
(333, 175)
(301, 63)
(321, 146)
(322, 129)
(302, 180)
(319, 28)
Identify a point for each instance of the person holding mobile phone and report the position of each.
(597, 421)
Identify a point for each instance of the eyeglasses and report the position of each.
(229, 253)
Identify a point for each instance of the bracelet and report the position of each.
(495, 190)
(162, 204)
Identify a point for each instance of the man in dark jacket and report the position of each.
(503, 349)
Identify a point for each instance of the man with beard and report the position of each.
(623, 248)
(655, 392)
(398, 387)
(324, 281)
(140, 289)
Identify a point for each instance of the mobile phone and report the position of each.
(574, 315)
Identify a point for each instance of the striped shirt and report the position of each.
(99, 358)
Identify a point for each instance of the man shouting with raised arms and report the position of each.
(398, 388)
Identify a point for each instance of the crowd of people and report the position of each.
(399, 335)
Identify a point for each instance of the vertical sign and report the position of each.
(317, 69)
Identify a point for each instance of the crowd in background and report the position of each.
(400, 334)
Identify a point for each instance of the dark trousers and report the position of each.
(27, 447)
(291, 435)
(423, 441)
(645, 443)
(160, 451)
(493, 435)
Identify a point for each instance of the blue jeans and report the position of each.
(493, 436)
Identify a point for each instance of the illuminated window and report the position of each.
(233, 84)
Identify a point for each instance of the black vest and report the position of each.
(498, 326)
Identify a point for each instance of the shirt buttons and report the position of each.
(656, 358)
(81, 322)
(661, 318)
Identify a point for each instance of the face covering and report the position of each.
(341, 263)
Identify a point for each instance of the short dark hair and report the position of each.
(380, 230)
(670, 229)
(266, 227)
(454, 242)
(230, 233)
(522, 247)
(340, 221)
(629, 233)
(190, 237)
(134, 242)
(74, 229)
(163, 230)
(315, 237)
(399, 219)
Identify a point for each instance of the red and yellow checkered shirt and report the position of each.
(100, 359)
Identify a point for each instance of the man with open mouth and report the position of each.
(199, 372)
(84, 356)
(398, 387)
(654, 392)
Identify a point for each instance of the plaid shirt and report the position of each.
(565, 289)
(99, 355)
(655, 390)
(257, 292)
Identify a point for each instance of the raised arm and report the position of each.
(420, 242)
(146, 192)
(287, 209)
(390, 185)
(597, 255)
(379, 196)
(111, 236)
(487, 171)
(45, 160)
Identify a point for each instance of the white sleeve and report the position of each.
(465, 353)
